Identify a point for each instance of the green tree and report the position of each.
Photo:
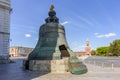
(102, 51)
(93, 52)
(114, 48)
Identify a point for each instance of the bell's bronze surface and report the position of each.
(52, 53)
(52, 42)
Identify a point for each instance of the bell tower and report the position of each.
(88, 50)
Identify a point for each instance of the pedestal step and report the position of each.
(53, 66)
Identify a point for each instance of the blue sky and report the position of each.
(95, 20)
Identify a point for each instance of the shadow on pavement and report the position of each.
(15, 71)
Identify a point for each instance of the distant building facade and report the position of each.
(17, 51)
(5, 10)
(87, 50)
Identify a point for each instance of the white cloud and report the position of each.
(27, 35)
(110, 35)
(64, 23)
(106, 35)
(96, 33)
(100, 36)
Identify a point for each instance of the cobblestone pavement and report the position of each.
(14, 71)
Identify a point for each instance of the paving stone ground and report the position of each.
(15, 71)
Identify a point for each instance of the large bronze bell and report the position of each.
(52, 42)
(52, 50)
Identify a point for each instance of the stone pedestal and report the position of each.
(45, 66)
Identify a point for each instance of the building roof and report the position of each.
(81, 53)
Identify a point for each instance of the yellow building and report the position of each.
(17, 51)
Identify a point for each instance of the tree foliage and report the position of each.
(93, 52)
(114, 48)
(102, 51)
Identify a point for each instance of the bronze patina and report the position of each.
(52, 44)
